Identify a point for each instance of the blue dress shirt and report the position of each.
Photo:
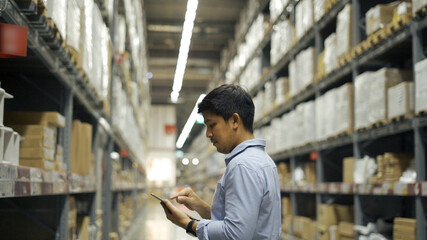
(247, 203)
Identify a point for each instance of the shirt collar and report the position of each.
(243, 146)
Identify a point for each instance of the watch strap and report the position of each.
(189, 228)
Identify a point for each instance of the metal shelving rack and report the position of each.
(357, 143)
(18, 183)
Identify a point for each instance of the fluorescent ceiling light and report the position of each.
(184, 47)
(189, 124)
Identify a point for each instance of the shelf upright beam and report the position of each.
(107, 191)
(294, 208)
(357, 15)
(419, 136)
(65, 141)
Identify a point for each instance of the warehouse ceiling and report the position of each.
(213, 29)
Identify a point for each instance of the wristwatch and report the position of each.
(189, 229)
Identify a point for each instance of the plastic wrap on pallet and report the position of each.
(400, 100)
(120, 35)
(320, 118)
(330, 59)
(293, 78)
(381, 80)
(87, 37)
(379, 16)
(344, 31)
(281, 40)
(276, 8)
(417, 5)
(106, 55)
(309, 122)
(57, 10)
(303, 17)
(98, 28)
(269, 97)
(361, 99)
(330, 114)
(306, 67)
(401, 11)
(258, 102)
(421, 86)
(73, 24)
(344, 107)
(319, 9)
(282, 90)
(252, 73)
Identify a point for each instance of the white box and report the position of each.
(319, 9)
(421, 86)
(73, 25)
(303, 17)
(282, 90)
(401, 100)
(57, 10)
(344, 108)
(3, 95)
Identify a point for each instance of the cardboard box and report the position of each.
(378, 17)
(287, 222)
(82, 160)
(45, 153)
(35, 118)
(310, 172)
(348, 170)
(345, 213)
(309, 227)
(346, 229)
(326, 214)
(401, 100)
(322, 232)
(286, 206)
(37, 163)
(83, 228)
(37, 141)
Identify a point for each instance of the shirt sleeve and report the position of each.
(243, 191)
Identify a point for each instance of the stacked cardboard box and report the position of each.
(287, 223)
(395, 165)
(310, 172)
(404, 229)
(348, 170)
(83, 223)
(304, 227)
(330, 59)
(401, 100)
(82, 159)
(379, 16)
(301, 71)
(346, 231)
(330, 215)
(284, 173)
(39, 130)
(72, 219)
(421, 86)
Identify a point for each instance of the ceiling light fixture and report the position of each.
(189, 124)
(187, 31)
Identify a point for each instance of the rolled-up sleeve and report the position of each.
(243, 194)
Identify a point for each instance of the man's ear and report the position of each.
(236, 120)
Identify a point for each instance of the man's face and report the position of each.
(219, 131)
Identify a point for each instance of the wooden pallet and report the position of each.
(401, 21)
(401, 117)
(341, 134)
(75, 56)
(329, 4)
(422, 112)
(56, 32)
(421, 11)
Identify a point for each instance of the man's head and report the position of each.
(229, 113)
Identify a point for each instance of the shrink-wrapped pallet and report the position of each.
(379, 16)
(281, 40)
(319, 9)
(120, 34)
(421, 86)
(269, 97)
(329, 112)
(73, 25)
(401, 100)
(301, 71)
(276, 8)
(309, 122)
(282, 90)
(293, 78)
(380, 82)
(344, 107)
(361, 99)
(330, 59)
(320, 118)
(344, 31)
(303, 17)
(57, 11)
(417, 5)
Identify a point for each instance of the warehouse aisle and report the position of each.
(153, 225)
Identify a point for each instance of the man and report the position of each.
(247, 203)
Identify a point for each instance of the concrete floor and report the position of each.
(153, 225)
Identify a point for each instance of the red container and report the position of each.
(13, 40)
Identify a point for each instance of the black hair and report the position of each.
(228, 99)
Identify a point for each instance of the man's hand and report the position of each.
(190, 199)
(175, 215)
